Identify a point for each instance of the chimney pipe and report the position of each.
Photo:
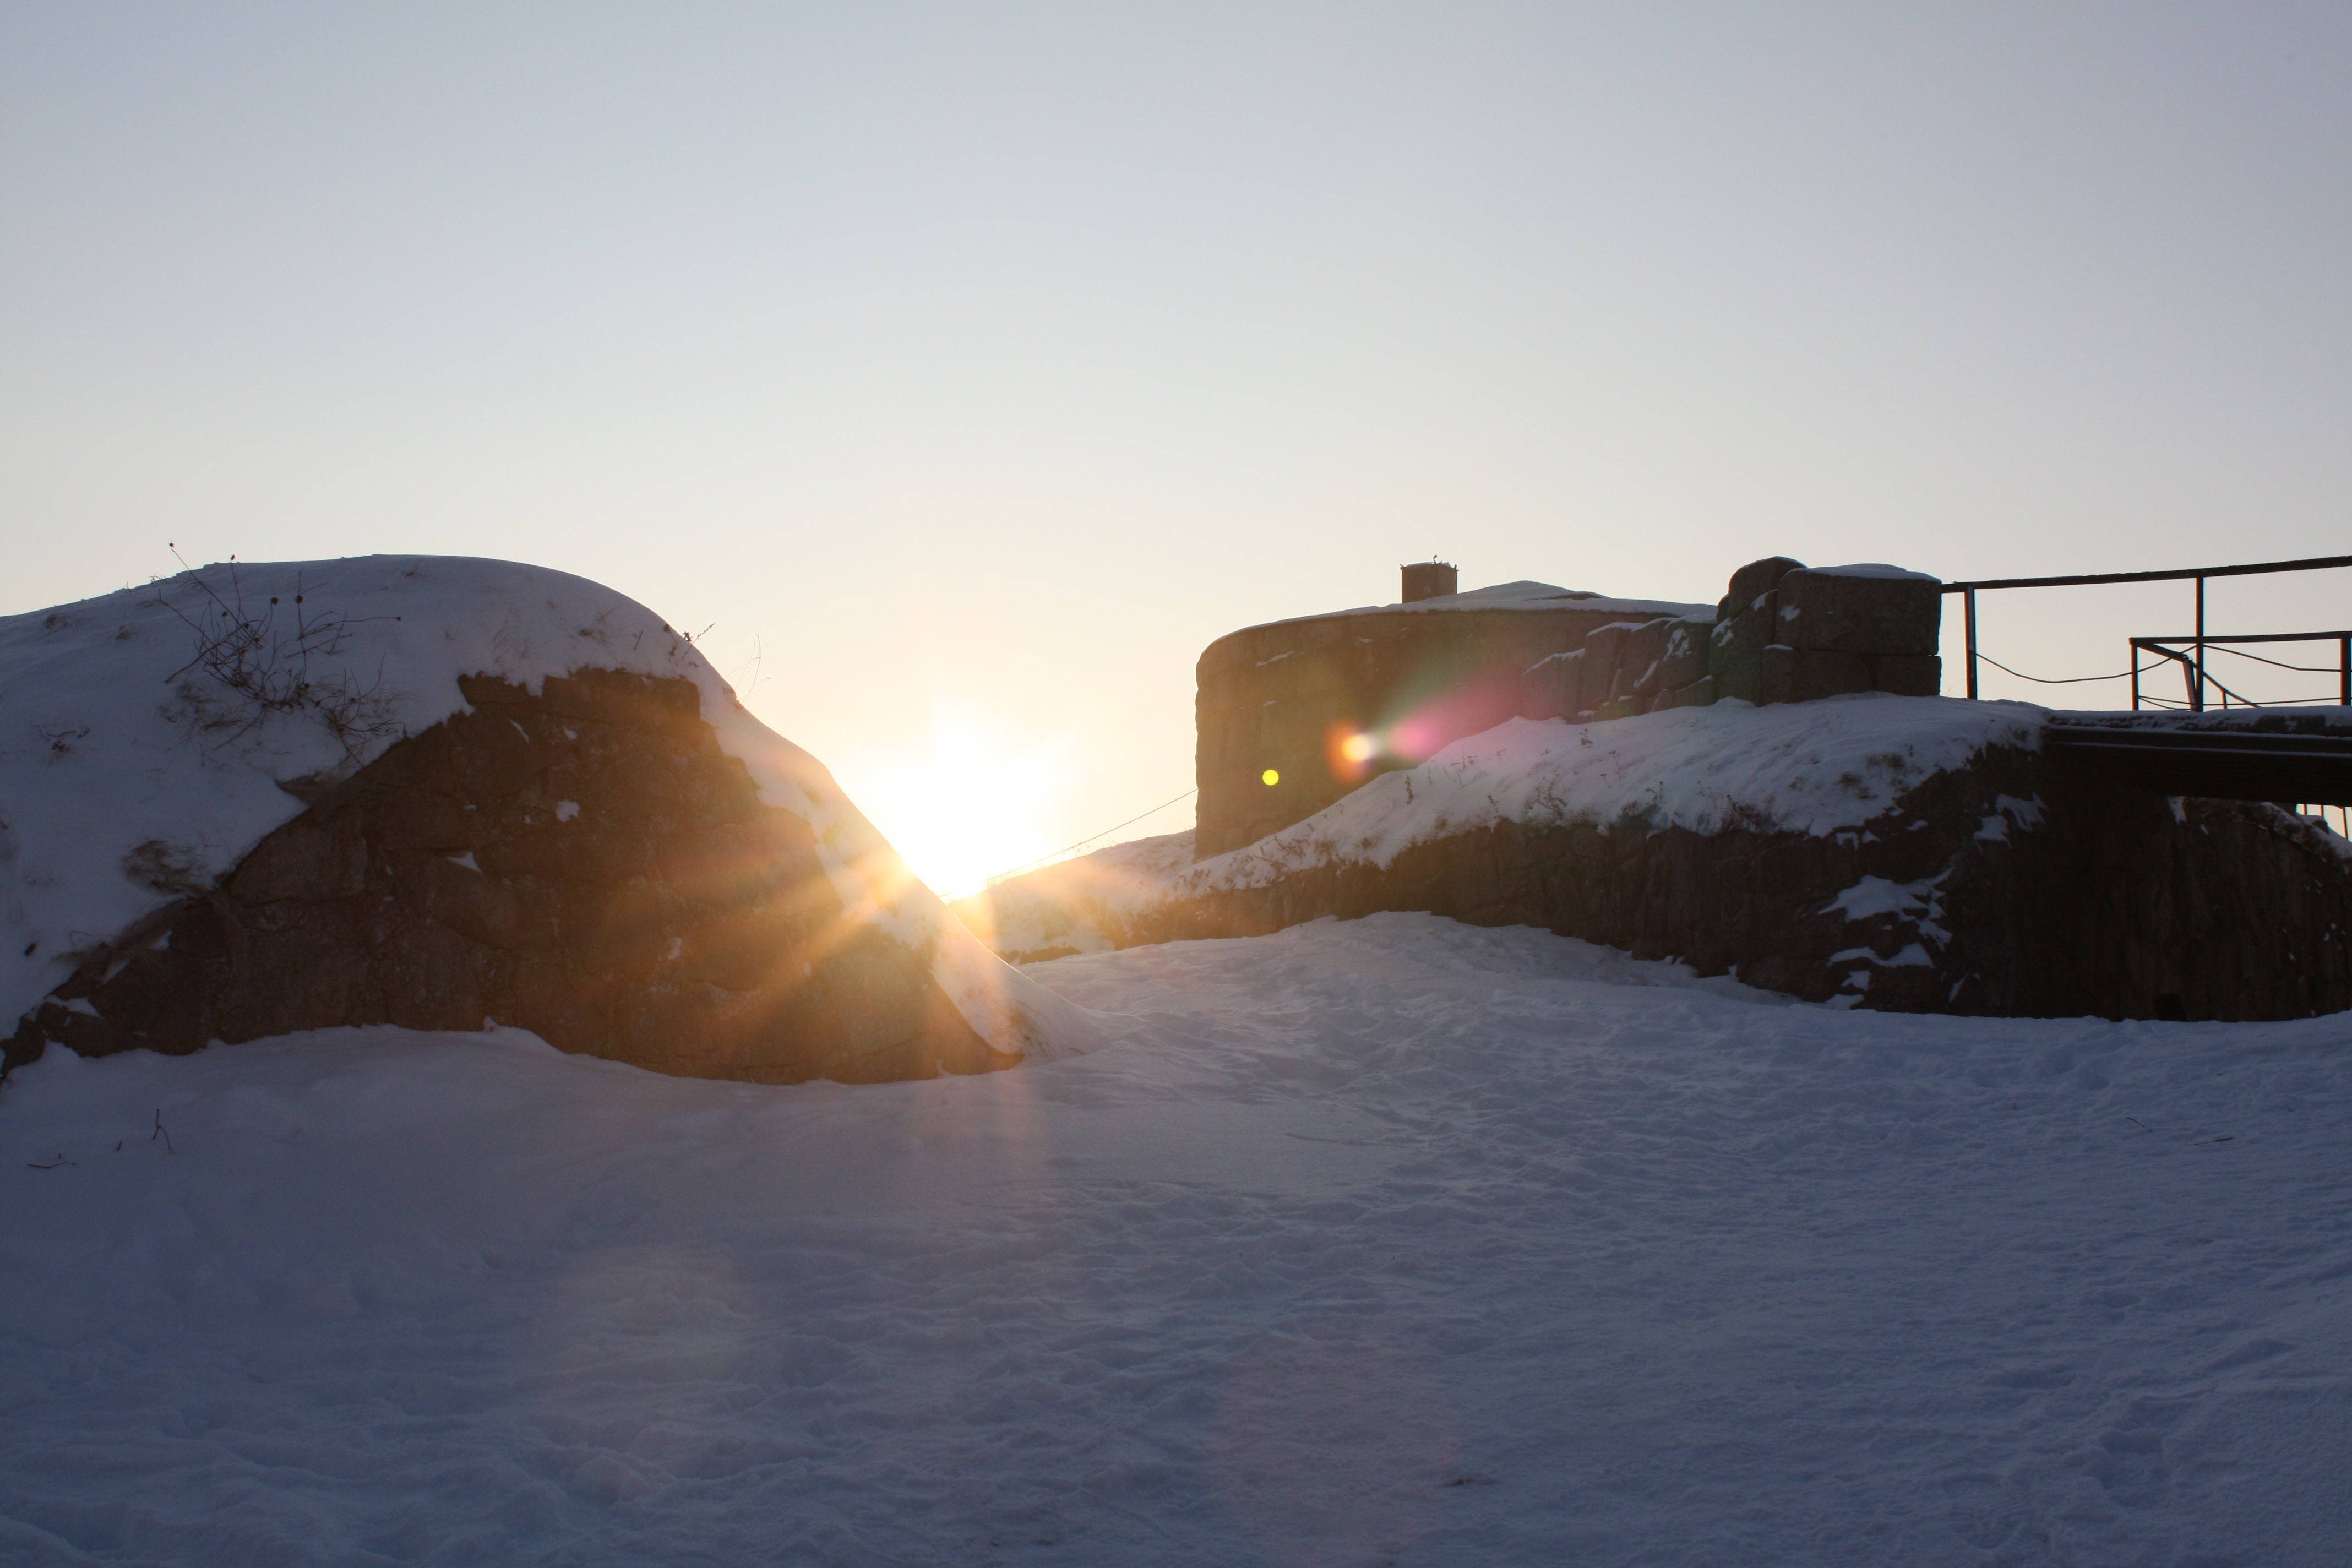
(1430, 579)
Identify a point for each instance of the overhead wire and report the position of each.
(2258, 659)
(1090, 838)
(2159, 664)
(2067, 679)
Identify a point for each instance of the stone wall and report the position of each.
(2016, 887)
(585, 863)
(1292, 716)
(1787, 634)
(1286, 699)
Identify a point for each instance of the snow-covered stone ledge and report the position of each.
(1911, 854)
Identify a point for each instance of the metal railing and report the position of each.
(2194, 671)
(2194, 675)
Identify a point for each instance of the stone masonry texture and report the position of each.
(1282, 698)
(585, 863)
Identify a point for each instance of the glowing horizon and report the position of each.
(1016, 359)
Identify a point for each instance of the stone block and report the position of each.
(671, 708)
(751, 948)
(422, 819)
(301, 861)
(1642, 661)
(628, 933)
(1834, 612)
(1735, 657)
(1603, 649)
(1805, 675)
(495, 750)
(433, 978)
(1753, 581)
(478, 907)
(309, 970)
(1909, 674)
(1553, 687)
(573, 854)
(204, 930)
(1700, 693)
(1687, 648)
(569, 1010)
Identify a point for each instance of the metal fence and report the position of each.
(2189, 652)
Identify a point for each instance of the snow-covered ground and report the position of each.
(1390, 1241)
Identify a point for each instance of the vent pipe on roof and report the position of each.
(1430, 579)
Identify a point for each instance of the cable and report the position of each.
(1057, 855)
(2183, 659)
(2070, 680)
(2258, 659)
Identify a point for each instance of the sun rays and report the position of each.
(959, 806)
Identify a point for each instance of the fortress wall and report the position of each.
(1288, 698)
(2014, 886)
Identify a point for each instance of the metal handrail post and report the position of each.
(2344, 679)
(1969, 607)
(2135, 674)
(2196, 697)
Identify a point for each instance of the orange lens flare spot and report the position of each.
(1358, 748)
(1271, 777)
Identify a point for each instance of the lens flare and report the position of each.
(1358, 747)
(1271, 777)
(958, 804)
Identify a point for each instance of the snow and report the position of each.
(1813, 767)
(1051, 911)
(1872, 569)
(1389, 1241)
(1877, 896)
(130, 776)
(1822, 767)
(1521, 595)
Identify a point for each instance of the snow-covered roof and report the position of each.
(1872, 569)
(1520, 596)
(131, 774)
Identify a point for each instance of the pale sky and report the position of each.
(969, 369)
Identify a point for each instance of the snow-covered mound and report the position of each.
(1068, 907)
(1803, 767)
(1903, 853)
(150, 739)
(1814, 768)
(1380, 1241)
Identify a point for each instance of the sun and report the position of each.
(959, 809)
